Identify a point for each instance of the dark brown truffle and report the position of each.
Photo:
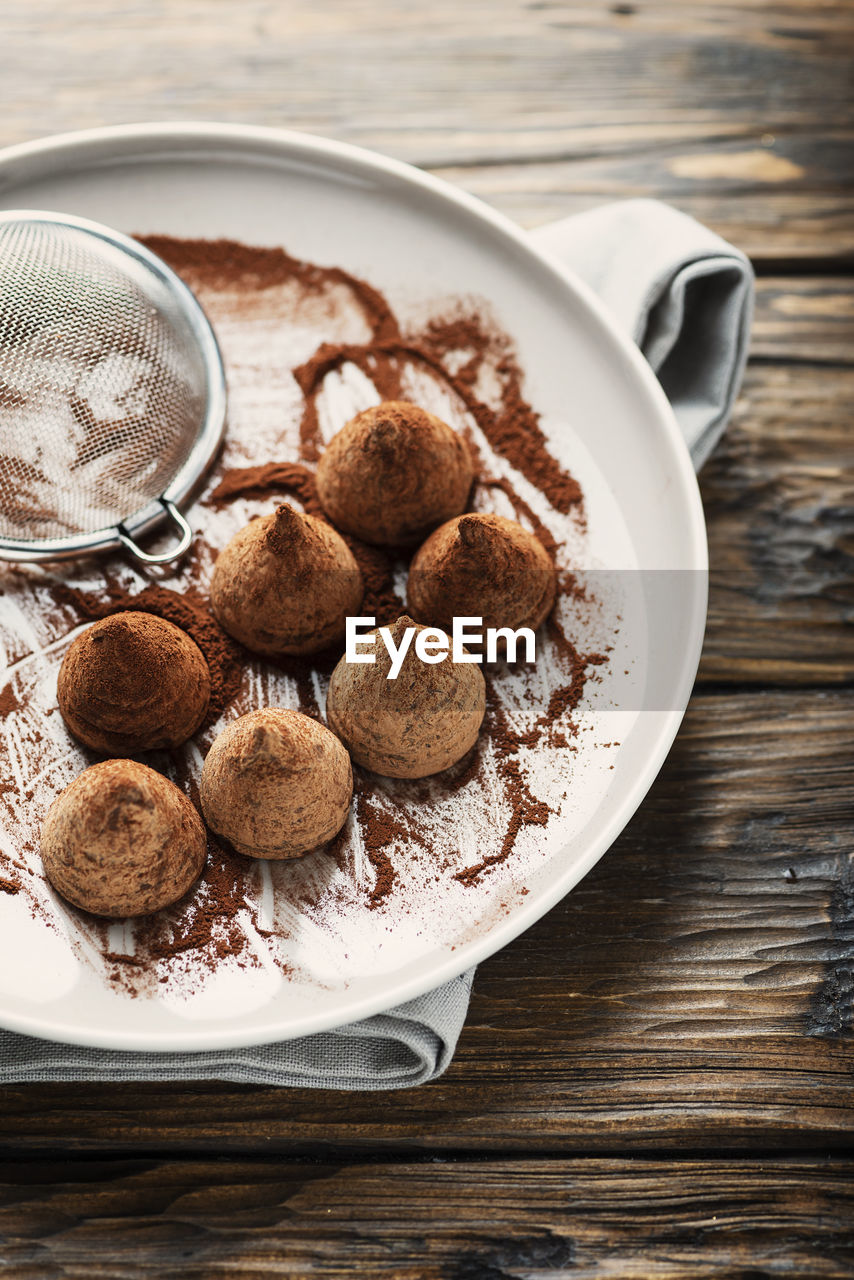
(418, 724)
(276, 784)
(393, 473)
(483, 566)
(122, 840)
(285, 584)
(133, 682)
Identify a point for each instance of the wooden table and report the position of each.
(656, 1080)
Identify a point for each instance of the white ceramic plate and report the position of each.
(417, 239)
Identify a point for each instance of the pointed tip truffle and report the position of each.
(401, 626)
(412, 724)
(133, 682)
(384, 435)
(472, 533)
(276, 784)
(285, 584)
(287, 530)
(393, 473)
(486, 565)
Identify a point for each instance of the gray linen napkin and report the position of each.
(408, 1045)
(675, 288)
(685, 296)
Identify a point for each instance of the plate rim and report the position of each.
(106, 142)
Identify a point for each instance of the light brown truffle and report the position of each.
(122, 840)
(276, 784)
(482, 566)
(418, 724)
(393, 473)
(285, 584)
(133, 682)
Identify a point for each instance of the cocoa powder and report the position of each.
(380, 829)
(227, 265)
(511, 426)
(513, 429)
(454, 350)
(269, 477)
(8, 701)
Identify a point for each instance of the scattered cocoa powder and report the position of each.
(380, 829)
(566, 697)
(8, 701)
(522, 510)
(207, 924)
(271, 477)
(525, 809)
(513, 430)
(381, 601)
(454, 349)
(511, 427)
(228, 265)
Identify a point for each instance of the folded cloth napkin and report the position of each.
(685, 297)
(675, 288)
(406, 1046)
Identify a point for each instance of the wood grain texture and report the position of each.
(740, 113)
(804, 321)
(465, 1221)
(779, 500)
(694, 991)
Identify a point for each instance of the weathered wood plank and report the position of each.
(779, 500)
(772, 207)
(740, 113)
(462, 1221)
(695, 991)
(804, 321)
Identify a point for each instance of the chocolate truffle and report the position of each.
(482, 566)
(122, 840)
(285, 584)
(276, 784)
(133, 682)
(417, 724)
(393, 473)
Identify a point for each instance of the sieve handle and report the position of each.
(163, 557)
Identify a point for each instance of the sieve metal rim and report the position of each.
(204, 448)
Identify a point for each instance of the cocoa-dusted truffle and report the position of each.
(418, 724)
(276, 784)
(485, 566)
(133, 682)
(393, 473)
(285, 584)
(122, 840)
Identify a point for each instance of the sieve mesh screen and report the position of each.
(102, 382)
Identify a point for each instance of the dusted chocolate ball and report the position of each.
(133, 682)
(285, 584)
(276, 784)
(122, 840)
(393, 473)
(417, 724)
(482, 566)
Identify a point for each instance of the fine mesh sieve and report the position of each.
(112, 391)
